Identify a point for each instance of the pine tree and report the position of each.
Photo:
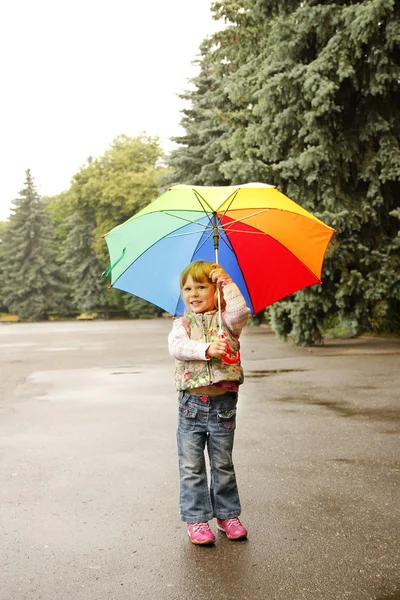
(314, 108)
(82, 267)
(3, 227)
(325, 128)
(31, 285)
(200, 150)
(217, 110)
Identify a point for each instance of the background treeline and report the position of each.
(52, 253)
(301, 94)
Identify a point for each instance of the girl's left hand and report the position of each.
(219, 276)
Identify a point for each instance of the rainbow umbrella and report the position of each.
(269, 245)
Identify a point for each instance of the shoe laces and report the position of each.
(234, 522)
(200, 527)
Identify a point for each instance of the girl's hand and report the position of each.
(218, 347)
(219, 276)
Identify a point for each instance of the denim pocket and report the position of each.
(187, 417)
(226, 419)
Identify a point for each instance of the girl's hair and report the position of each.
(199, 271)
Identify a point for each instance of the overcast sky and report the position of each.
(76, 73)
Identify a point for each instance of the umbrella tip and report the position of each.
(109, 287)
(274, 187)
(102, 237)
(169, 189)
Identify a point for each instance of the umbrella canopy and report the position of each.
(270, 246)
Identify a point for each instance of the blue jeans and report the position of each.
(207, 421)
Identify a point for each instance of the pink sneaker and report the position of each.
(233, 528)
(200, 533)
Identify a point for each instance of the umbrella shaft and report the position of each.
(215, 230)
(219, 297)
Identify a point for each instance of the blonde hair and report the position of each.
(200, 270)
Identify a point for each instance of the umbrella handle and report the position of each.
(229, 358)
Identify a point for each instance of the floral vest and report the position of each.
(198, 373)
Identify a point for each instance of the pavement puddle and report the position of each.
(346, 410)
(126, 372)
(19, 345)
(79, 385)
(58, 349)
(270, 372)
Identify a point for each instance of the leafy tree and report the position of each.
(104, 193)
(109, 190)
(31, 284)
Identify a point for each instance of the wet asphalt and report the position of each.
(89, 477)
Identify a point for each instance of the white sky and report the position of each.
(75, 74)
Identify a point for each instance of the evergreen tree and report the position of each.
(137, 308)
(326, 125)
(216, 111)
(315, 109)
(82, 266)
(31, 285)
(3, 227)
(200, 152)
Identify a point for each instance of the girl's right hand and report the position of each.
(219, 276)
(218, 347)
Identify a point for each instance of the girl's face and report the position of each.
(198, 297)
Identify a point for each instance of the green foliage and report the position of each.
(3, 227)
(281, 321)
(110, 189)
(200, 150)
(82, 266)
(262, 316)
(104, 193)
(215, 111)
(137, 308)
(310, 92)
(31, 284)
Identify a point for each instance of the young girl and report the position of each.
(208, 390)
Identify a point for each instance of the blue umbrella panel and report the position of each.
(154, 275)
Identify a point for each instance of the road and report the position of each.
(89, 477)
